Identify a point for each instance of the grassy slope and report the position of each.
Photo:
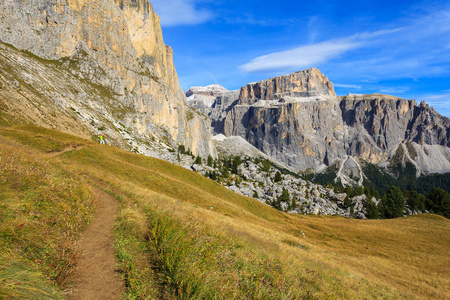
(208, 242)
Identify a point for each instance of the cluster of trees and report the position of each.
(425, 193)
(393, 203)
(395, 195)
(284, 197)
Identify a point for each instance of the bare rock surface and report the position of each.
(202, 98)
(116, 47)
(297, 119)
(306, 83)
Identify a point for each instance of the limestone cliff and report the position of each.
(118, 46)
(307, 126)
(306, 83)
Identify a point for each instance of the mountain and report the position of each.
(298, 120)
(202, 97)
(91, 67)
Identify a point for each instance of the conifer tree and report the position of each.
(392, 204)
(278, 177)
(210, 161)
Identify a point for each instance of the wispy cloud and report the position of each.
(348, 86)
(416, 47)
(300, 57)
(180, 12)
(394, 90)
(312, 55)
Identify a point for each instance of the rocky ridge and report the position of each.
(257, 179)
(115, 49)
(297, 119)
(308, 83)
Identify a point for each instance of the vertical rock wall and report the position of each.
(116, 44)
(298, 120)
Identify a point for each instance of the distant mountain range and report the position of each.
(57, 71)
(298, 120)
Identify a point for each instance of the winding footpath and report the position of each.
(97, 277)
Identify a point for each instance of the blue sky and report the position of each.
(399, 48)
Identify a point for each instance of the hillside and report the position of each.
(202, 240)
(96, 67)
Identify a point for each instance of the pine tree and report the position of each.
(371, 209)
(225, 173)
(265, 166)
(347, 202)
(278, 177)
(393, 203)
(210, 161)
(198, 160)
(235, 164)
(415, 200)
(294, 203)
(285, 196)
(438, 201)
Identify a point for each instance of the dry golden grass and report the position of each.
(42, 211)
(337, 259)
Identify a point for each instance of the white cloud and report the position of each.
(180, 12)
(300, 57)
(412, 47)
(394, 90)
(348, 86)
(312, 55)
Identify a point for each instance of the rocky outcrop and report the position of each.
(310, 128)
(301, 134)
(220, 109)
(203, 97)
(118, 46)
(214, 90)
(308, 83)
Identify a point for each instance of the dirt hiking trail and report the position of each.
(96, 277)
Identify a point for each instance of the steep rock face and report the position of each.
(116, 44)
(306, 83)
(321, 130)
(220, 109)
(390, 121)
(300, 134)
(213, 90)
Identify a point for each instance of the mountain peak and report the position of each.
(209, 90)
(306, 83)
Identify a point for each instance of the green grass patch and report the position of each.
(43, 210)
(22, 280)
(196, 263)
